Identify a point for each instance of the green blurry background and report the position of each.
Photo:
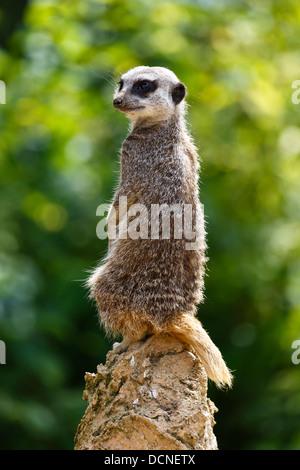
(59, 152)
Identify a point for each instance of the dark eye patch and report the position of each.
(120, 83)
(144, 87)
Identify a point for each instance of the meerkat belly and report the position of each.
(152, 271)
(157, 278)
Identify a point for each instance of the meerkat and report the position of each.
(147, 285)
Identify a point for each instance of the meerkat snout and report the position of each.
(117, 102)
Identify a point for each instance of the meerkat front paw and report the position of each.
(119, 348)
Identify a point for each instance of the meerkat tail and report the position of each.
(190, 331)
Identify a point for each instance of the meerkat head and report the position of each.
(150, 94)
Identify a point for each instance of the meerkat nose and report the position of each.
(118, 102)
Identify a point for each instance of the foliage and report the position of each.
(59, 147)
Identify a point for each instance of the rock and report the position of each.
(152, 397)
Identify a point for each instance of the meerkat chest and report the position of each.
(156, 175)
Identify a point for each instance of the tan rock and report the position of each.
(152, 397)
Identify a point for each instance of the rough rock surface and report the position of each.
(152, 397)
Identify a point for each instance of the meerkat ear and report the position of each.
(178, 93)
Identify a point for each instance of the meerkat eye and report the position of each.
(143, 86)
(120, 83)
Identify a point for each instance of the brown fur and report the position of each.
(149, 286)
